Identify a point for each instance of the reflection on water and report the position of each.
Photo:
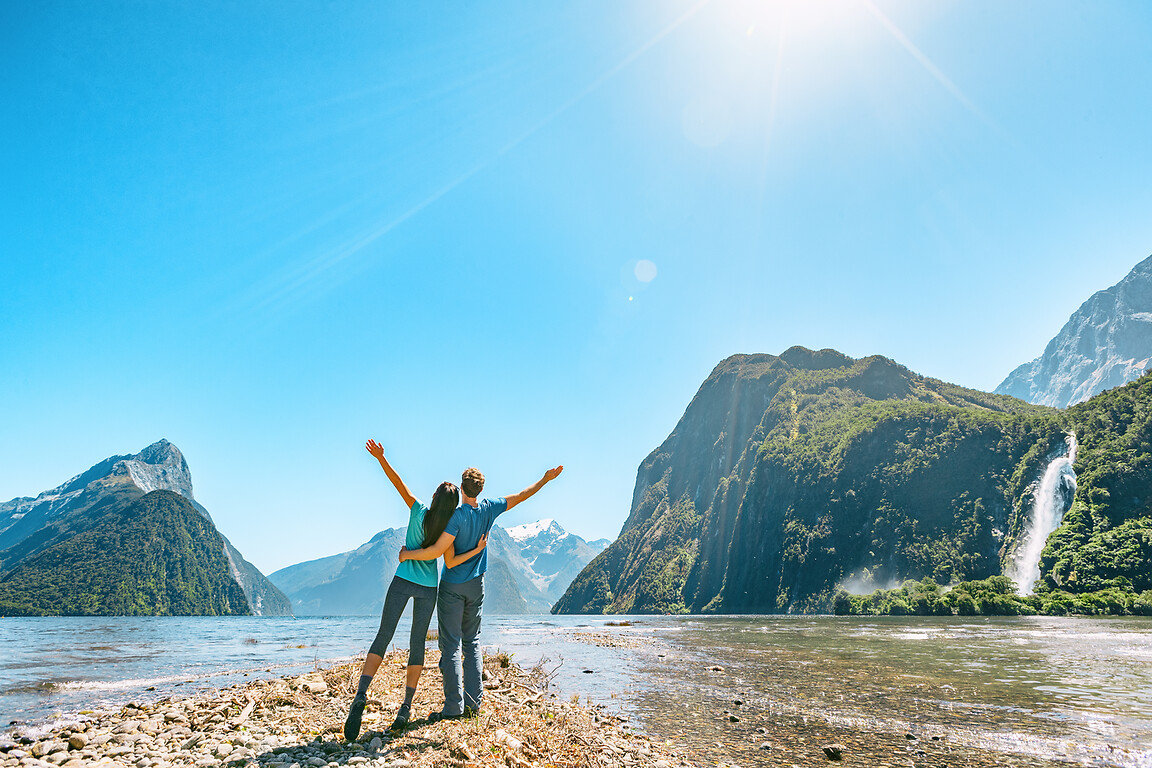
(1074, 689)
(1079, 689)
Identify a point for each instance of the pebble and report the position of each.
(833, 751)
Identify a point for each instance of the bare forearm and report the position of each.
(396, 480)
(427, 553)
(531, 490)
(451, 559)
(377, 452)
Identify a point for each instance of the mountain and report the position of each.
(555, 555)
(32, 526)
(789, 476)
(348, 584)
(354, 583)
(1107, 342)
(525, 576)
(155, 556)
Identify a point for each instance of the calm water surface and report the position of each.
(1072, 689)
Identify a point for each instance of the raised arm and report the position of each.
(428, 553)
(377, 450)
(451, 559)
(549, 476)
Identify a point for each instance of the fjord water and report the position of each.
(1074, 689)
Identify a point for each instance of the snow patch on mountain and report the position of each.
(1106, 343)
(160, 466)
(553, 555)
(522, 533)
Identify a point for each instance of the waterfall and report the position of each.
(1052, 499)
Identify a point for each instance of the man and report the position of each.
(460, 600)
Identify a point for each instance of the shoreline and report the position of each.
(296, 722)
(729, 692)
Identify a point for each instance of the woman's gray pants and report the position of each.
(423, 601)
(458, 608)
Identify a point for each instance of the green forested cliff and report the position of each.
(788, 476)
(1106, 537)
(156, 555)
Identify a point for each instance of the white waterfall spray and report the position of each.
(1052, 499)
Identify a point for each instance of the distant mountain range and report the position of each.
(125, 537)
(529, 567)
(1107, 342)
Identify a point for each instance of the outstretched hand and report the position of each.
(375, 449)
(553, 473)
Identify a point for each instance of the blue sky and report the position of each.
(270, 231)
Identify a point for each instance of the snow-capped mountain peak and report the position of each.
(527, 531)
(159, 466)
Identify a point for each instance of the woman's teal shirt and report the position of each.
(417, 571)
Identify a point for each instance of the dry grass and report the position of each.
(521, 723)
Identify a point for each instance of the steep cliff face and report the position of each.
(29, 526)
(1105, 343)
(787, 475)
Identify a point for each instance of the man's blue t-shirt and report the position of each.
(468, 524)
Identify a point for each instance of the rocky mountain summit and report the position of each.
(39, 539)
(159, 466)
(1105, 343)
(554, 554)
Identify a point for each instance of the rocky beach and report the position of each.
(296, 722)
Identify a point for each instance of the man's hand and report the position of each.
(375, 449)
(553, 473)
(403, 554)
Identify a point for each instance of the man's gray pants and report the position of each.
(458, 608)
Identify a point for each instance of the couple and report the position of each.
(459, 532)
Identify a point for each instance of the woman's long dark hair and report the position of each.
(444, 503)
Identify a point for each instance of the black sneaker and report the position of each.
(436, 717)
(352, 724)
(401, 720)
(471, 712)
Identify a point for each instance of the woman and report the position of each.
(414, 579)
